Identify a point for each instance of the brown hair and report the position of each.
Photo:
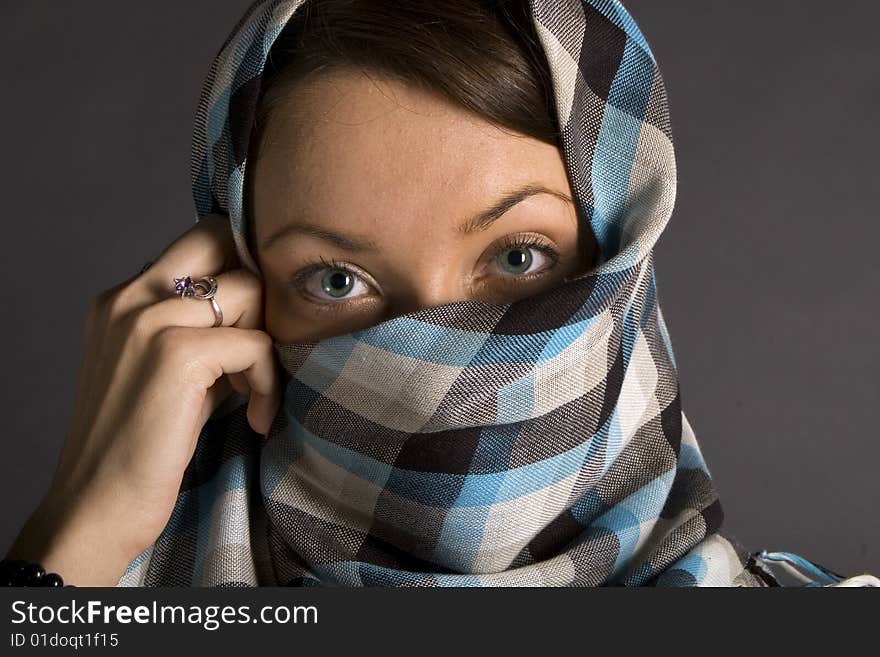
(481, 54)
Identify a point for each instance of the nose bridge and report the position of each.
(430, 286)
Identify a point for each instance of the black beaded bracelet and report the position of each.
(17, 572)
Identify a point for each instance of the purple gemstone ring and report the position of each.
(186, 287)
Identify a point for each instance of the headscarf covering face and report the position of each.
(536, 443)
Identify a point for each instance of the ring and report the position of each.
(186, 287)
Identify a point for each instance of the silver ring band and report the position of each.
(218, 314)
(186, 287)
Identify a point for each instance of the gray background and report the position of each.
(767, 273)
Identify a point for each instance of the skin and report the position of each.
(153, 370)
(374, 159)
(368, 160)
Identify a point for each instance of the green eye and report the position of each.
(516, 260)
(337, 282)
(331, 282)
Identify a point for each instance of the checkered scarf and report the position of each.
(536, 443)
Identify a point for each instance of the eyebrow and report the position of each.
(487, 217)
(479, 222)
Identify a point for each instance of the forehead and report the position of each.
(351, 139)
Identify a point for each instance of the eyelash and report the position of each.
(317, 265)
(532, 242)
(299, 279)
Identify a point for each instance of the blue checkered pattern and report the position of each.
(537, 443)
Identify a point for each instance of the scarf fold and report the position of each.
(536, 443)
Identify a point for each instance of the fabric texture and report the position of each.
(537, 443)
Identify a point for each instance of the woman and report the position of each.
(432, 353)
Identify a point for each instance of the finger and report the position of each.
(133, 276)
(239, 383)
(239, 295)
(204, 249)
(217, 394)
(262, 408)
(203, 355)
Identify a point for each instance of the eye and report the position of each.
(525, 256)
(517, 260)
(331, 281)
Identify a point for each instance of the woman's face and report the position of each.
(372, 199)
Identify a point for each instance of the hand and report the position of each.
(152, 372)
